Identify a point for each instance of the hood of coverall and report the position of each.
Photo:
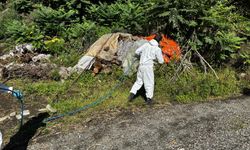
(153, 42)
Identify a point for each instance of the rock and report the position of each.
(43, 110)
(243, 75)
(18, 117)
(41, 58)
(51, 109)
(30, 117)
(48, 108)
(25, 113)
(88, 119)
(4, 118)
(12, 114)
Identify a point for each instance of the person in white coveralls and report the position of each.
(148, 52)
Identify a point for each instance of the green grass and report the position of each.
(196, 86)
(190, 87)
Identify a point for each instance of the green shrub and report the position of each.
(23, 33)
(197, 86)
(211, 27)
(6, 17)
(55, 45)
(54, 74)
(121, 14)
(67, 59)
(23, 6)
(84, 34)
(52, 21)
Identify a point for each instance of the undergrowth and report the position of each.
(191, 86)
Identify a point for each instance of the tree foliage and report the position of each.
(127, 15)
(214, 28)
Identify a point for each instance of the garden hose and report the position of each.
(94, 103)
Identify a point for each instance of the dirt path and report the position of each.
(213, 125)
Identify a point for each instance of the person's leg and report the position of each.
(148, 80)
(137, 85)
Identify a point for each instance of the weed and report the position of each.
(197, 86)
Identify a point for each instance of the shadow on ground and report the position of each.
(246, 91)
(20, 140)
(141, 93)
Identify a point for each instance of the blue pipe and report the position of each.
(4, 88)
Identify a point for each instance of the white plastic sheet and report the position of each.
(84, 63)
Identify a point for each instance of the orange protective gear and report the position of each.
(170, 49)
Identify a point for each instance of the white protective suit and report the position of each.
(148, 52)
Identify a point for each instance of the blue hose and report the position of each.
(96, 102)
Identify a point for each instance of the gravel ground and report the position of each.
(212, 125)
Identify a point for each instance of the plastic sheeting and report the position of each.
(126, 53)
(84, 63)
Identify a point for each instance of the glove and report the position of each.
(17, 94)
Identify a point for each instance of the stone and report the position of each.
(4, 118)
(12, 114)
(18, 117)
(43, 110)
(25, 113)
(51, 109)
(243, 75)
(41, 58)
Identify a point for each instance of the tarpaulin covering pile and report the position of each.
(116, 48)
(119, 48)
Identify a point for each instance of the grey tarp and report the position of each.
(127, 51)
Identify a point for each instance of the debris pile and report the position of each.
(115, 48)
(23, 61)
(110, 49)
(119, 49)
